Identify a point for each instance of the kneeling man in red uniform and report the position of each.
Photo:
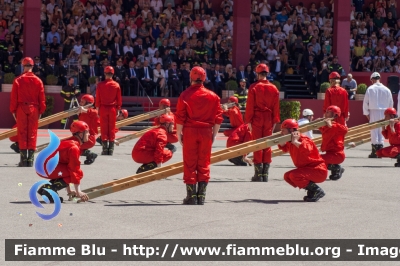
(392, 133)
(172, 137)
(333, 142)
(68, 170)
(149, 150)
(240, 135)
(311, 168)
(234, 114)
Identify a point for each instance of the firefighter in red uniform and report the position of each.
(27, 104)
(262, 114)
(198, 118)
(336, 95)
(172, 138)
(240, 135)
(90, 117)
(234, 114)
(14, 139)
(108, 101)
(311, 167)
(149, 150)
(392, 133)
(123, 114)
(333, 142)
(68, 170)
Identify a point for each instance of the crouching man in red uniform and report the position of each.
(262, 114)
(172, 137)
(90, 117)
(234, 114)
(392, 133)
(240, 135)
(108, 101)
(333, 142)
(149, 150)
(198, 118)
(311, 167)
(68, 170)
(27, 103)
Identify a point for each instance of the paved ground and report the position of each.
(363, 204)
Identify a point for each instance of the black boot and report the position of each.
(236, 160)
(398, 161)
(15, 147)
(146, 167)
(105, 147)
(314, 192)
(23, 162)
(201, 193)
(111, 148)
(56, 185)
(375, 147)
(191, 198)
(170, 147)
(90, 157)
(98, 140)
(31, 158)
(265, 172)
(257, 173)
(336, 171)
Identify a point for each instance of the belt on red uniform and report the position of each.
(26, 103)
(108, 105)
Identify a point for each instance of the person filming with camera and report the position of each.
(350, 85)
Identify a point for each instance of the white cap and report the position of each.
(375, 75)
(307, 112)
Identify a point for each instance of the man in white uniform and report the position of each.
(377, 99)
(308, 116)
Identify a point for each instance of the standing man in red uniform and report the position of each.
(90, 117)
(123, 114)
(27, 104)
(311, 168)
(336, 95)
(149, 150)
(108, 102)
(240, 135)
(198, 118)
(333, 142)
(68, 171)
(392, 133)
(262, 114)
(234, 114)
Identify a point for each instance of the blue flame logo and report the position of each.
(45, 169)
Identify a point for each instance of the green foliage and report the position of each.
(49, 106)
(289, 109)
(361, 88)
(92, 80)
(51, 80)
(277, 84)
(9, 78)
(324, 86)
(231, 85)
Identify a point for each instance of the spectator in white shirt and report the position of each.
(169, 11)
(103, 18)
(156, 5)
(116, 17)
(288, 26)
(265, 9)
(271, 53)
(208, 23)
(230, 24)
(128, 47)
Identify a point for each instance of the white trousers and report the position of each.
(376, 134)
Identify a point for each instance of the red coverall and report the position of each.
(333, 143)
(171, 136)
(235, 119)
(14, 138)
(150, 147)
(310, 165)
(198, 110)
(93, 122)
(262, 112)
(240, 135)
(108, 100)
(394, 139)
(27, 102)
(69, 166)
(338, 96)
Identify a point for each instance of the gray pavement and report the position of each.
(363, 204)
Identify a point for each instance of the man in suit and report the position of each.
(132, 81)
(242, 74)
(45, 54)
(310, 64)
(371, 28)
(278, 69)
(19, 69)
(62, 70)
(92, 70)
(174, 80)
(117, 47)
(137, 49)
(208, 83)
(38, 68)
(59, 55)
(217, 59)
(219, 84)
(9, 65)
(111, 58)
(120, 74)
(51, 68)
(185, 75)
(163, 47)
(146, 78)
